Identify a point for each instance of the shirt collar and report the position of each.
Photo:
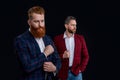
(65, 36)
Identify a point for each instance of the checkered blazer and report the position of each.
(31, 59)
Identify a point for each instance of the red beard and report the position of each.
(39, 32)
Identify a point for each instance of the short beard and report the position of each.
(71, 31)
(39, 32)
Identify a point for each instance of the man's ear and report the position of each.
(65, 25)
(28, 21)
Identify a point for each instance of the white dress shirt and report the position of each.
(69, 42)
(40, 43)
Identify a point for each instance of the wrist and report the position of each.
(45, 54)
(55, 69)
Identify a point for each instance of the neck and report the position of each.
(69, 34)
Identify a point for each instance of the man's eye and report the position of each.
(36, 21)
(42, 20)
(73, 25)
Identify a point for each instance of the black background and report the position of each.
(98, 21)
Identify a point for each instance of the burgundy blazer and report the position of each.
(81, 56)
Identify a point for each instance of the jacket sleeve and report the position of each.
(23, 53)
(84, 55)
(55, 56)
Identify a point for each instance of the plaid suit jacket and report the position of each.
(30, 57)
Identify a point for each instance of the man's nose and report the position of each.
(40, 24)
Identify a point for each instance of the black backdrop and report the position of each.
(97, 21)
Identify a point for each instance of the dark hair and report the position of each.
(67, 20)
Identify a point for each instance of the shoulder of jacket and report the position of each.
(58, 36)
(23, 35)
(79, 35)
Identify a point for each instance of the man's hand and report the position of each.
(79, 71)
(48, 50)
(49, 67)
(66, 54)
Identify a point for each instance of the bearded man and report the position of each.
(36, 53)
(72, 50)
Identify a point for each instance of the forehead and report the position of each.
(37, 16)
(72, 22)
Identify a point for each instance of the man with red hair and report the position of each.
(35, 50)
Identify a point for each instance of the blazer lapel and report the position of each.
(46, 41)
(63, 43)
(33, 42)
(76, 50)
